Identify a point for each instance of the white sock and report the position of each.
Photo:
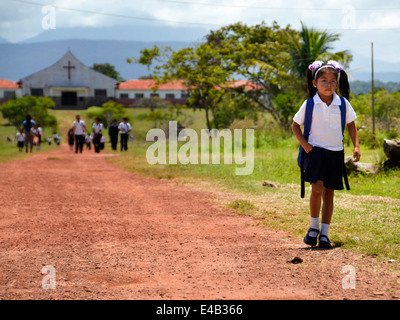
(325, 229)
(314, 224)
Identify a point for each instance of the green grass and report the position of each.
(242, 207)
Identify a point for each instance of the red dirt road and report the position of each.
(111, 234)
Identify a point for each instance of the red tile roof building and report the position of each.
(129, 92)
(9, 89)
(149, 84)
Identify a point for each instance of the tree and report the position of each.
(199, 67)
(310, 45)
(259, 54)
(387, 107)
(286, 105)
(152, 103)
(109, 111)
(16, 110)
(108, 70)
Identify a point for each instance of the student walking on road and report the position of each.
(79, 127)
(97, 134)
(323, 155)
(71, 138)
(124, 128)
(113, 133)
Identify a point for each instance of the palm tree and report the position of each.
(310, 45)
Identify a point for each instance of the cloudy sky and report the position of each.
(358, 22)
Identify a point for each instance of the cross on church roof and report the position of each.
(69, 67)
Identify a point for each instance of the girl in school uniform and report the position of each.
(88, 141)
(20, 140)
(71, 138)
(323, 164)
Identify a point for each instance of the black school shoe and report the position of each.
(311, 241)
(324, 242)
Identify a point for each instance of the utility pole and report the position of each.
(373, 89)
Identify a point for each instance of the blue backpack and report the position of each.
(306, 133)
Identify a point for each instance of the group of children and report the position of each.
(32, 134)
(79, 135)
(89, 138)
(29, 135)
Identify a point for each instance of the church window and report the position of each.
(100, 92)
(37, 92)
(9, 94)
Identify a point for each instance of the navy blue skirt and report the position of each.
(325, 165)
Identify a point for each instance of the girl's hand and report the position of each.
(356, 154)
(308, 147)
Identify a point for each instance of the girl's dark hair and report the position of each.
(310, 87)
(344, 86)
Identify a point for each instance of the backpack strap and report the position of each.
(343, 113)
(306, 133)
(343, 120)
(308, 117)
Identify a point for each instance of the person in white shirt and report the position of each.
(102, 142)
(20, 140)
(124, 129)
(324, 161)
(88, 141)
(57, 138)
(97, 134)
(37, 131)
(70, 136)
(79, 128)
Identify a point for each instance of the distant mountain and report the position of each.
(383, 76)
(360, 69)
(2, 40)
(123, 33)
(22, 59)
(358, 87)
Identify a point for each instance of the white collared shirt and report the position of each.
(79, 127)
(326, 127)
(97, 127)
(20, 136)
(124, 127)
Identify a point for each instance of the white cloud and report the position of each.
(379, 20)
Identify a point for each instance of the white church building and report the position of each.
(70, 84)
